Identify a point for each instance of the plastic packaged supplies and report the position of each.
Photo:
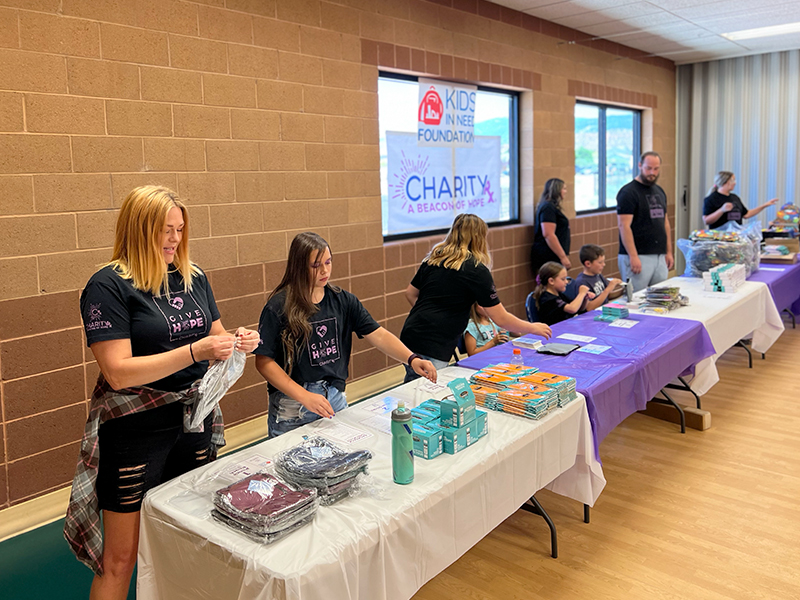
(662, 299)
(724, 278)
(319, 463)
(219, 378)
(264, 507)
(730, 244)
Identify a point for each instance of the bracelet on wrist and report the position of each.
(194, 360)
(411, 358)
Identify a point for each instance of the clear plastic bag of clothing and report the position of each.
(730, 244)
(264, 505)
(216, 382)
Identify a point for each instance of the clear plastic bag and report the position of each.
(264, 504)
(264, 538)
(731, 244)
(319, 458)
(216, 382)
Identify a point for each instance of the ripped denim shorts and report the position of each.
(286, 414)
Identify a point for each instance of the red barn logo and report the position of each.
(431, 109)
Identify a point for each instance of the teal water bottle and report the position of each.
(402, 445)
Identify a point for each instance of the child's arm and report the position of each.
(574, 306)
(273, 373)
(472, 345)
(601, 298)
(390, 344)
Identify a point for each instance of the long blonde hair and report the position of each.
(721, 179)
(466, 239)
(137, 252)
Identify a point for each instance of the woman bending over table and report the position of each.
(452, 277)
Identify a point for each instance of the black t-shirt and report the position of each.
(714, 202)
(540, 251)
(113, 309)
(595, 283)
(551, 308)
(326, 353)
(648, 205)
(441, 312)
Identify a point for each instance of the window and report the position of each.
(607, 147)
(423, 188)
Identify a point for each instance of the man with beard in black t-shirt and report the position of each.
(645, 239)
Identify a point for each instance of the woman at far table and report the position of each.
(152, 324)
(551, 235)
(452, 277)
(722, 205)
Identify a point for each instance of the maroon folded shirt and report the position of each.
(264, 495)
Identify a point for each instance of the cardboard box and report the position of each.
(423, 415)
(793, 244)
(460, 409)
(428, 441)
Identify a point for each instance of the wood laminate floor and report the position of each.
(705, 515)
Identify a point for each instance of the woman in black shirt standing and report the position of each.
(152, 324)
(721, 205)
(551, 236)
(454, 276)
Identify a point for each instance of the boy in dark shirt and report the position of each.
(593, 259)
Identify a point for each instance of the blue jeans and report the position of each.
(287, 414)
(439, 364)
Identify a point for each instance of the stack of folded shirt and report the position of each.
(264, 507)
(320, 464)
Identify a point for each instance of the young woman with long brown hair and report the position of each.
(306, 330)
(453, 277)
(152, 324)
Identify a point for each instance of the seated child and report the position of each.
(593, 259)
(482, 333)
(552, 304)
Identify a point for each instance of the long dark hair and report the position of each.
(298, 283)
(552, 192)
(549, 270)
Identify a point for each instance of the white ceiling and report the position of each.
(684, 31)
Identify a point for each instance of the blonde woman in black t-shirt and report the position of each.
(453, 277)
(722, 205)
(152, 324)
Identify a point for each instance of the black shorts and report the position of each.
(143, 450)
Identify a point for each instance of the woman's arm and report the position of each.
(754, 211)
(390, 344)
(121, 369)
(549, 233)
(412, 294)
(717, 214)
(278, 378)
(509, 322)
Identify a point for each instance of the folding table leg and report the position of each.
(791, 316)
(538, 509)
(741, 344)
(675, 405)
(686, 388)
(586, 513)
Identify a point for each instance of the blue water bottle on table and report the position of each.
(402, 445)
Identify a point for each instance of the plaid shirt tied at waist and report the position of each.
(82, 527)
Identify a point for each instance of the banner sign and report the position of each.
(446, 114)
(429, 186)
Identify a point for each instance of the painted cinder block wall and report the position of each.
(262, 114)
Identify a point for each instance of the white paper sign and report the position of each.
(247, 467)
(427, 187)
(772, 269)
(344, 433)
(446, 114)
(624, 323)
(382, 424)
(379, 406)
(593, 348)
(576, 338)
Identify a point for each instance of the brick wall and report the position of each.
(262, 114)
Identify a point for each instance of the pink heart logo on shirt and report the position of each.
(176, 302)
(322, 330)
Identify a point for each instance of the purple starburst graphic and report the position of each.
(408, 166)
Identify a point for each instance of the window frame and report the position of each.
(513, 156)
(602, 150)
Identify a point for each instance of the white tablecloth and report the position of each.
(728, 318)
(368, 547)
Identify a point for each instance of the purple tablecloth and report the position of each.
(783, 282)
(621, 380)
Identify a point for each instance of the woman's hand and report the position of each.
(318, 404)
(541, 329)
(565, 262)
(771, 202)
(727, 207)
(424, 368)
(213, 347)
(247, 340)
